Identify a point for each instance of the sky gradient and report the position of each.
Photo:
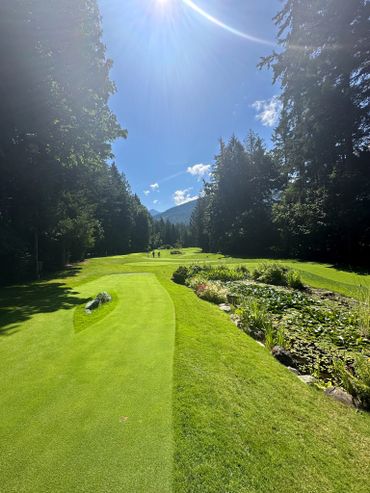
(186, 75)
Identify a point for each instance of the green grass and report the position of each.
(161, 392)
(91, 411)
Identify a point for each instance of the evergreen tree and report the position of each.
(322, 139)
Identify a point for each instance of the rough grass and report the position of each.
(98, 410)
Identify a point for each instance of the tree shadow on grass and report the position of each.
(359, 270)
(20, 303)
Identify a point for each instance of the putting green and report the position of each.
(93, 410)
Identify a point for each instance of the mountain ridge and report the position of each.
(178, 214)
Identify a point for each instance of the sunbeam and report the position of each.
(228, 28)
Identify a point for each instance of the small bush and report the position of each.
(180, 275)
(355, 380)
(212, 291)
(255, 319)
(271, 274)
(176, 252)
(195, 274)
(294, 280)
(278, 275)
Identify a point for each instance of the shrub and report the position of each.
(196, 273)
(255, 319)
(271, 274)
(294, 280)
(212, 291)
(278, 275)
(176, 252)
(180, 275)
(223, 273)
(355, 380)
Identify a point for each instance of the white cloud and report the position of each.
(154, 187)
(183, 196)
(199, 170)
(268, 111)
(155, 202)
(146, 192)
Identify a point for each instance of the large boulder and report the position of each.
(92, 305)
(307, 379)
(225, 307)
(283, 356)
(340, 395)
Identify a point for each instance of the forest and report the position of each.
(309, 196)
(62, 196)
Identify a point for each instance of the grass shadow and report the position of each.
(19, 303)
(360, 271)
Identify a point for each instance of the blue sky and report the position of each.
(183, 82)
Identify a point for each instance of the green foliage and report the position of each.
(212, 291)
(234, 215)
(323, 133)
(167, 235)
(180, 275)
(254, 319)
(196, 274)
(60, 197)
(363, 312)
(294, 280)
(309, 197)
(355, 379)
(317, 331)
(277, 275)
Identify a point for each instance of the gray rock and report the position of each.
(293, 370)
(225, 308)
(92, 305)
(307, 379)
(104, 297)
(283, 356)
(340, 395)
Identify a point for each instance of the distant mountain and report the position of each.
(179, 214)
(153, 212)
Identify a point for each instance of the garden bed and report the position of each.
(325, 335)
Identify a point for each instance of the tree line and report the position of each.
(309, 196)
(61, 196)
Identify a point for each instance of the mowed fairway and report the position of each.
(163, 393)
(91, 411)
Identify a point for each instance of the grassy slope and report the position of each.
(242, 422)
(91, 411)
